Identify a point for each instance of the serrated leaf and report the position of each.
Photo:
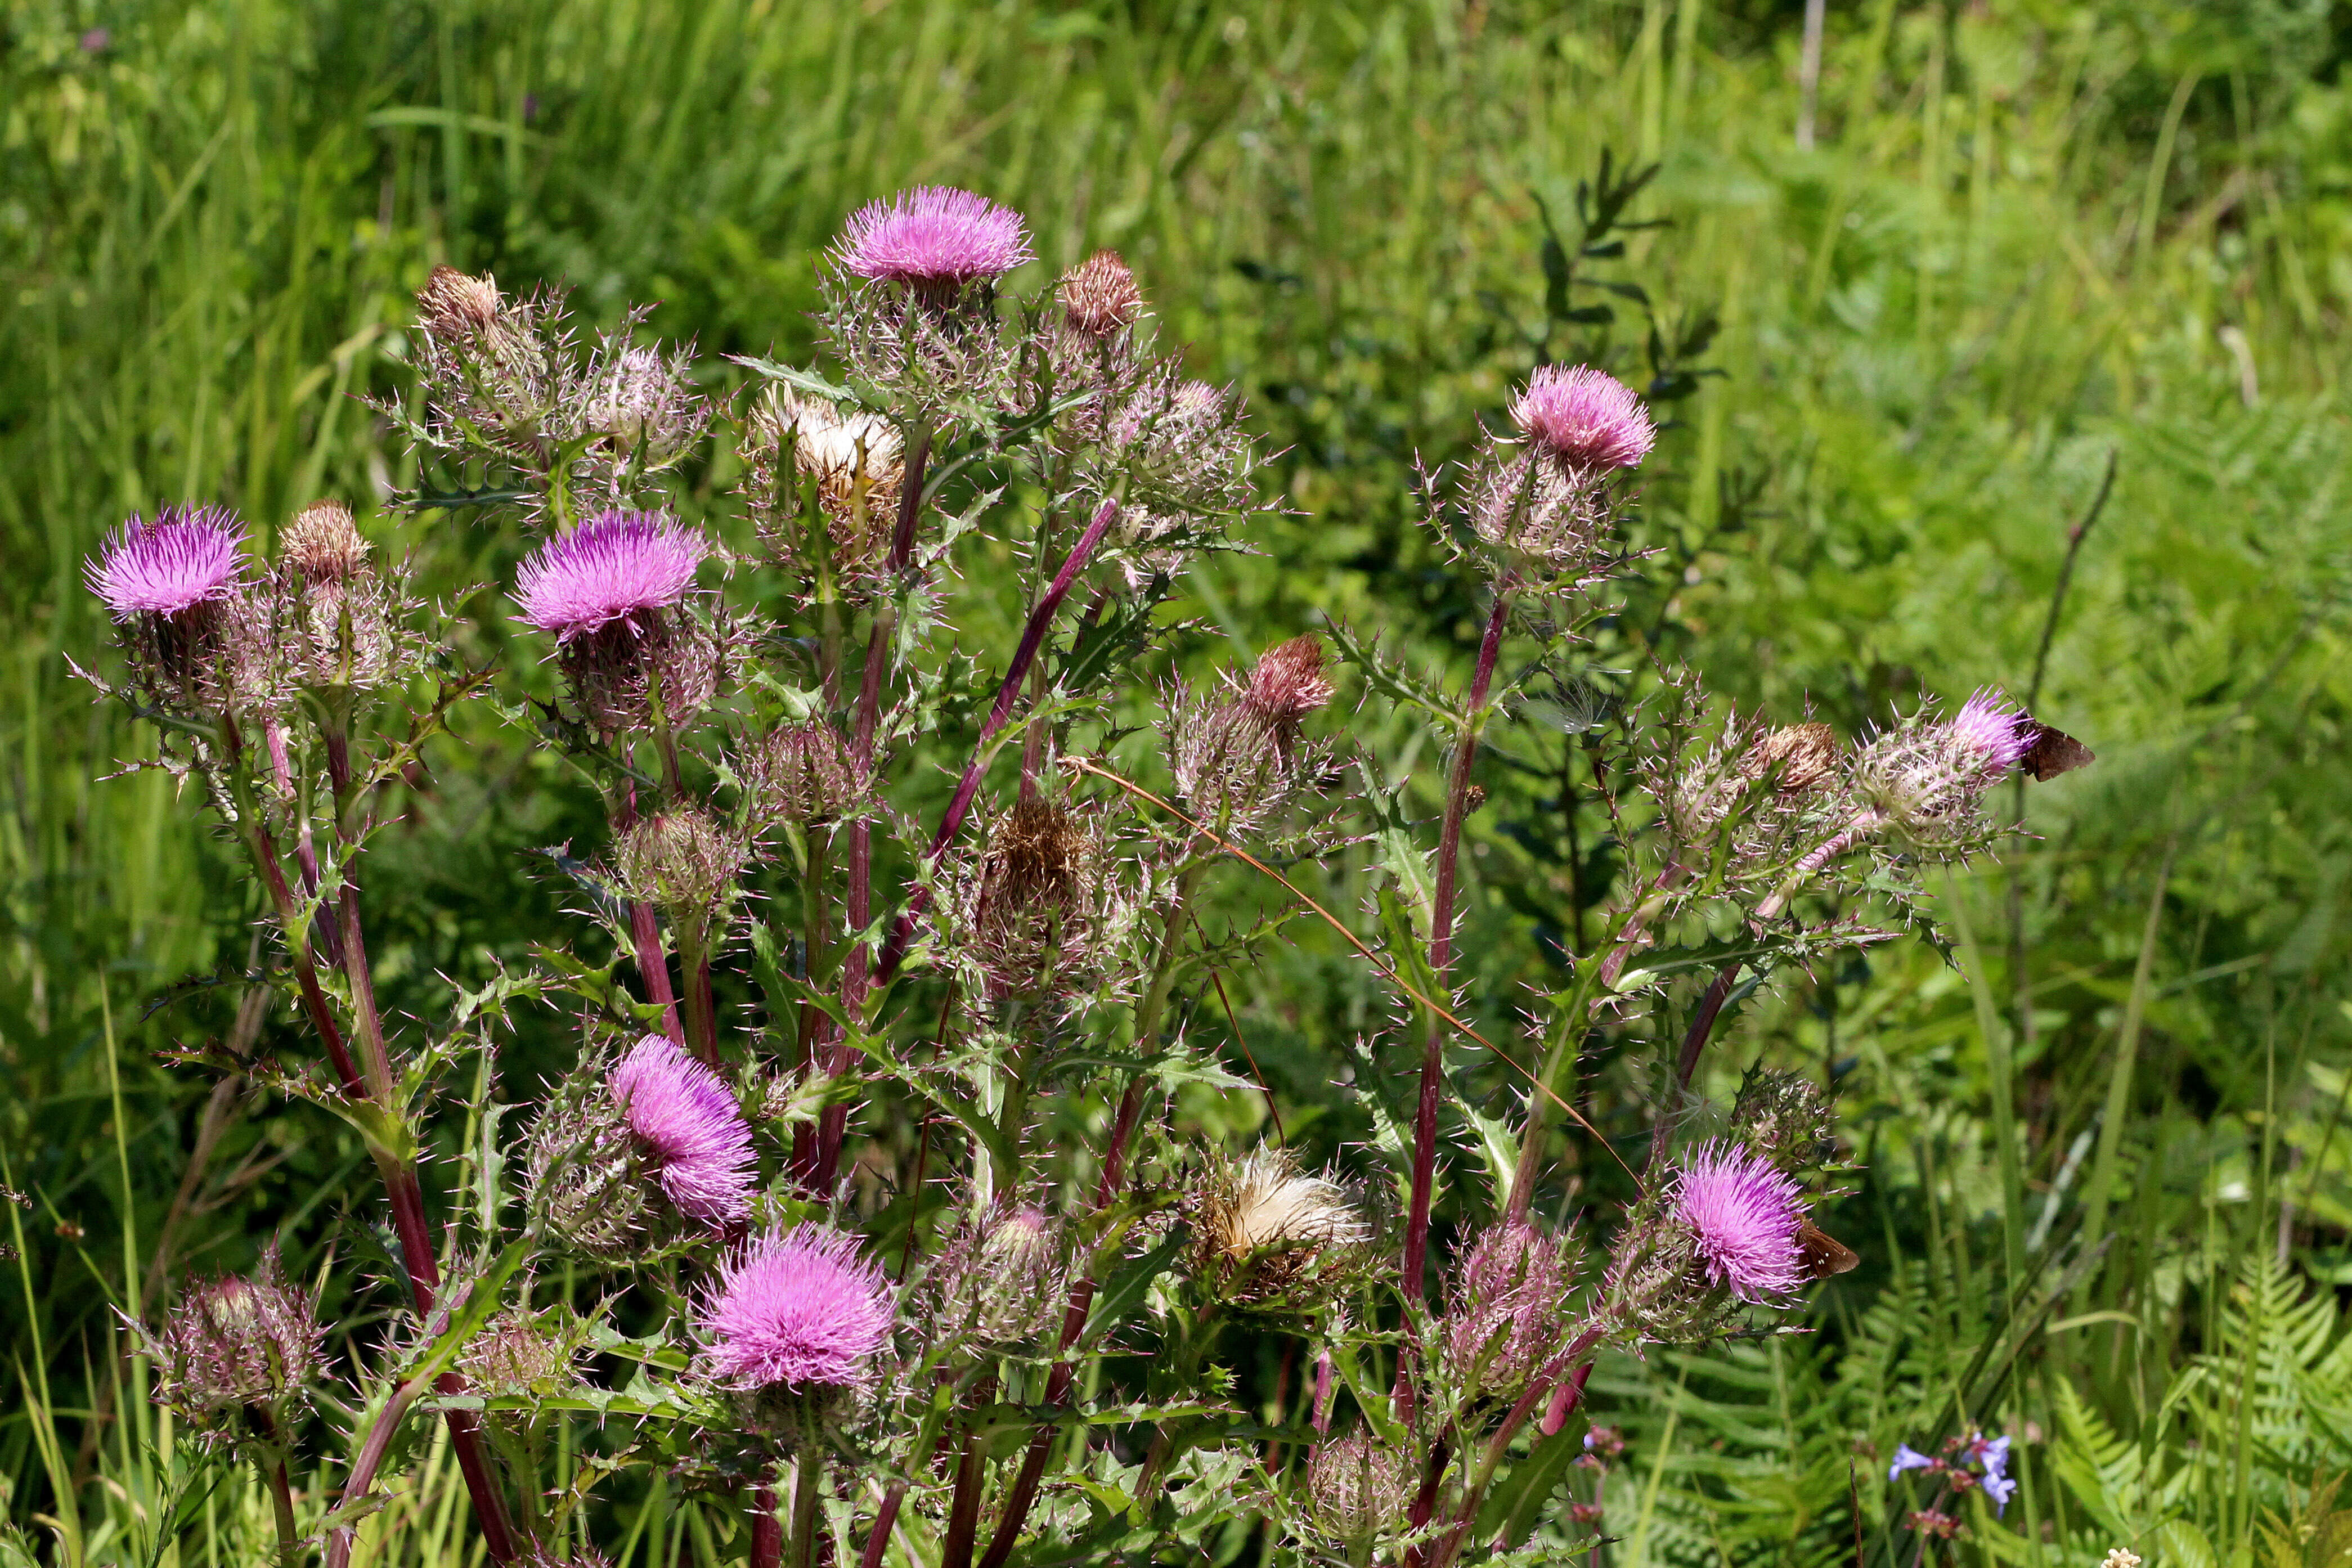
(1124, 1290)
(1392, 681)
(1516, 1499)
(806, 381)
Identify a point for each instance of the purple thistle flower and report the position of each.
(188, 556)
(1746, 1214)
(615, 567)
(686, 1118)
(1989, 730)
(935, 234)
(1587, 419)
(796, 1307)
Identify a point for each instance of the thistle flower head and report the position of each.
(1099, 297)
(1586, 420)
(1994, 733)
(682, 860)
(688, 1124)
(1797, 757)
(237, 1345)
(1356, 1488)
(802, 772)
(1928, 777)
(616, 568)
(457, 306)
(1265, 1230)
(1032, 908)
(799, 1309)
(188, 556)
(322, 544)
(1288, 682)
(856, 459)
(636, 402)
(1507, 1312)
(933, 235)
(1743, 1215)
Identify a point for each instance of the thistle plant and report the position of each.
(915, 1262)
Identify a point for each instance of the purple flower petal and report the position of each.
(798, 1308)
(188, 556)
(935, 234)
(687, 1120)
(1747, 1215)
(614, 566)
(1908, 1458)
(1587, 418)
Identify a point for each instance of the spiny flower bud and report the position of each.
(1237, 762)
(802, 772)
(333, 620)
(1786, 1118)
(322, 543)
(238, 1356)
(1030, 914)
(1099, 297)
(457, 306)
(1508, 1310)
(1355, 1490)
(636, 404)
(1266, 1231)
(524, 1352)
(992, 1282)
(1288, 682)
(1795, 758)
(682, 860)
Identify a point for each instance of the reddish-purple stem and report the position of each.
(1441, 950)
(1023, 1495)
(767, 1530)
(1000, 714)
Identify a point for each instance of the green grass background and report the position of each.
(2031, 236)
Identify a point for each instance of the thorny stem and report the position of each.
(963, 1511)
(1008, 692)
(281, 1507)
(1718, 991)
(766, 1533)
(645, 936)
(401, 1182)
(264, 856)
(885, 1519)
(372, 1449)
(1498, 1446)
(1440, 948)
(1023, 1494)
(808, 1489)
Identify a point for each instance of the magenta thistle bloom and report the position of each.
(617, 566)
(686, 1118)
(188, 556)
(1987, 729)
(796, 1307)
(935, 234)
(1586, 418)
(1746, 1214)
